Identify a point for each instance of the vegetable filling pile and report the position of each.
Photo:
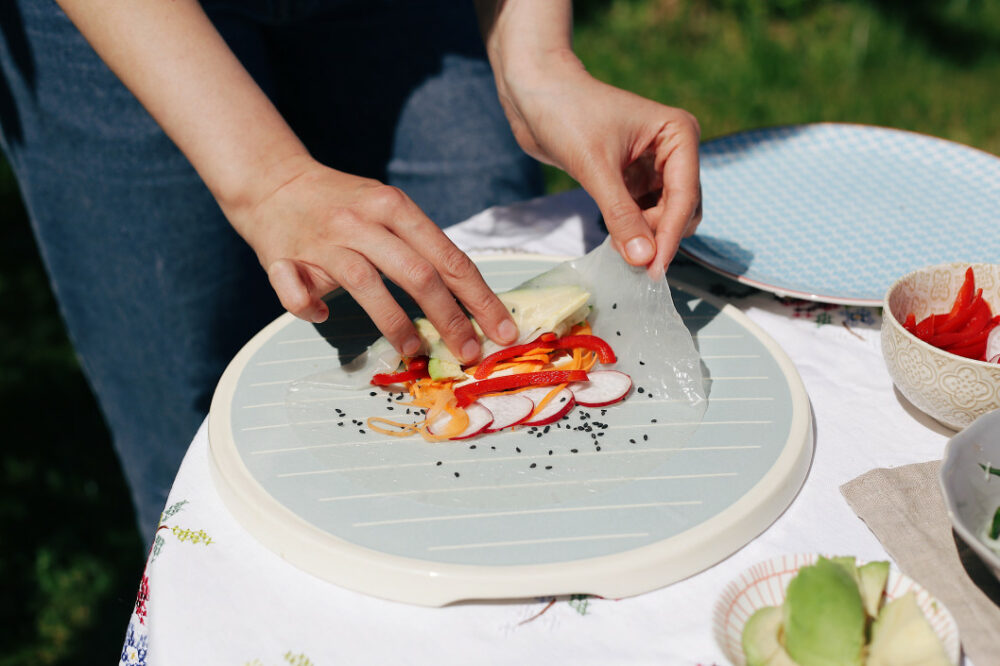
(531, 384)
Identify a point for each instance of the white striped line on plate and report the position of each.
(525, 512)
(511, 433)
(303, 359)
(530, 542)
(539, 484)
(583, 454)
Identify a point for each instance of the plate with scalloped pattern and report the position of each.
(836, 212)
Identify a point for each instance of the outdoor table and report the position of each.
(212, 594)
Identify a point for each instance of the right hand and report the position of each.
(322, 229)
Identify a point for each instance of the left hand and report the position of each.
(636, 157)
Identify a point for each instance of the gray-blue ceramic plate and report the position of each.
(517, 513)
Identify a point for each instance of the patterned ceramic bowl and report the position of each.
(951, 389)
(764, 584)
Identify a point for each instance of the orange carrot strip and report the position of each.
(404, 429)
(547, 399)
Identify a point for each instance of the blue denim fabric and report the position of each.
(157, 291)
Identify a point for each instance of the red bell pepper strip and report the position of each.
(981, 317)
(605, 354)
(468, 393)
(974, 347)
(964, 305)
(416, 369)
(486, 366)
(911, 323)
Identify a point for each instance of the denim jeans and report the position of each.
(157, 291)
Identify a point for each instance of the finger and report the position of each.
(362, 281)
(291, 286)
(420, 278)
(628, 227)
(460, 275)
(681, 196)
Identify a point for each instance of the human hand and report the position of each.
(637, 158)
(324, 229)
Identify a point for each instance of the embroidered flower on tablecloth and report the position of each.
(136, 644)
(141, 598)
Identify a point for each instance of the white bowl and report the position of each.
(970, 495)
(765, 583)
(951, 389)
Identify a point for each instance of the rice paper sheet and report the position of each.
(636, 316)
(631, 311)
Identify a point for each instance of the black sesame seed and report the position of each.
(642, 363)
(438, 463)
(517, 448)
(618, 333)
(361, 430)
(472, 446)
(645, 438)
(340, 424)
(598, 448)
(533, 466)
(652, 420)
(550, 452)
(548, 467)
(631, 441)
(640, 390)
(574, 450)
(614, 306)
(457, 475)
(373, 393)
(546, 429)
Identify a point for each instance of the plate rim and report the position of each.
(393, 577)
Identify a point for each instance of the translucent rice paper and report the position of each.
(636, 316)
(632, 312)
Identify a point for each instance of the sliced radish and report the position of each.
(603, 387)
(479, 418)
(508, 410)
(993, 346)
(553, 410)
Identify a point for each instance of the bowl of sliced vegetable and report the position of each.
(941, 340)
(805, 608)
(970, 483)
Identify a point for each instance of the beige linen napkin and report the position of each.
(904, 508)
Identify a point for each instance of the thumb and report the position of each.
(628, 227)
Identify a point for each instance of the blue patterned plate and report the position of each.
(836, 213)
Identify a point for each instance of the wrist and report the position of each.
(242, 190)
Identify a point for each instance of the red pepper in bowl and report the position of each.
(963, 330)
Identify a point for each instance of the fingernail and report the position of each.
(470, 350)
(639, 250)
(411, 346)
(507, 330)
(320, 315)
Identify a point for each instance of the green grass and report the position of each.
(924, 65)
(69, 557)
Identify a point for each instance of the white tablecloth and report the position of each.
(212, 594)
